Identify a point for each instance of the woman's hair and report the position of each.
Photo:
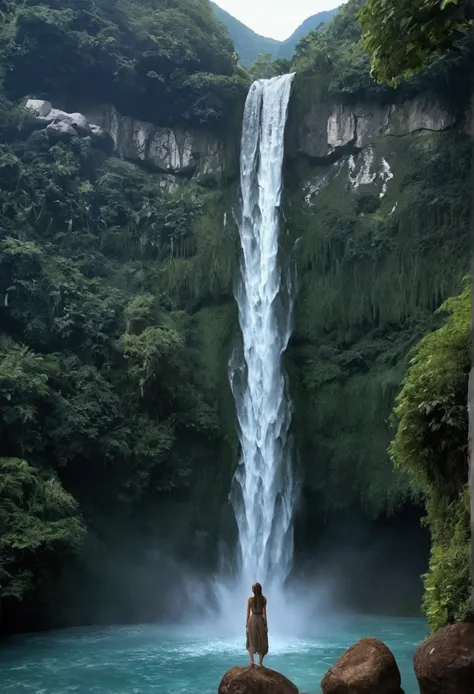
(258, 597)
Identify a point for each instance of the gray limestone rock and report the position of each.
(38, 107)
(174, 151)
(324, 129)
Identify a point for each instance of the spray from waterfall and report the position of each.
(263, 488)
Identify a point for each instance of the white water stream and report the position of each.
(263, 488)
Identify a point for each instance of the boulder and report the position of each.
(368, 667)
(60, 131)
(60, 125)
(39, 107)
(75, 120)
(444, 663)
(255, 680)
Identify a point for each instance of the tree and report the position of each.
(431, 446)
(39, 526)
(402, 36)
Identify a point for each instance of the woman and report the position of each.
(256, 625)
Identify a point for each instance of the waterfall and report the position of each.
(263, 489)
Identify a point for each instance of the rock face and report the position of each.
(255, 680)
(179, 152)
(368, 667)
(60, 125)
(326, 129)
(444, 663)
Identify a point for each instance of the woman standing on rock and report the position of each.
(256, 625)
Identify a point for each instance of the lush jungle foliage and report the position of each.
(104, 384)
(342, 61)
(371, 271)
(402, 36)
(431, 446)
(164, 61)
(112, 350)
(39, 522)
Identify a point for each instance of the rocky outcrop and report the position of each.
(171, 152)
(60, 125)
(326, 129)
(178, 152)
(255, 680)
(444, 663)
(368, 667)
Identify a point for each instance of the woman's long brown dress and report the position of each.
(257, 633)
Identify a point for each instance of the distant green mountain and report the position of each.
(250, 45)
(287, 48)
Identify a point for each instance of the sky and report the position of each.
(275, 18)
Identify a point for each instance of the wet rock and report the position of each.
(367, 667)
(255, 680)
(444, 663)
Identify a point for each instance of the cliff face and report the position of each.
(377, 208)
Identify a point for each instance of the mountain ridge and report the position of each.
(249, 45)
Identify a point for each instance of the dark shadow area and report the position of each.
(373, 566)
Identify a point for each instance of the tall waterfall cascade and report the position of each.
(263, 488)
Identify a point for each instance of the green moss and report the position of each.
(209, 272)
(371, 271)
(431, 447)
(387, 265)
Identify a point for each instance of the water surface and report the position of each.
(167, 660)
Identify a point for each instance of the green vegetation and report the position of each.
(266, 68)
(402, 37)
(336, 54)
(250, 46)
(39, 525)
(371, 272)
(431, 446)
(165, 61)
(112, 392)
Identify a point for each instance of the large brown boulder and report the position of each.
(444, 663)
(255, 680)
(368, 667)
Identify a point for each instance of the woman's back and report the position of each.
(257, 603)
